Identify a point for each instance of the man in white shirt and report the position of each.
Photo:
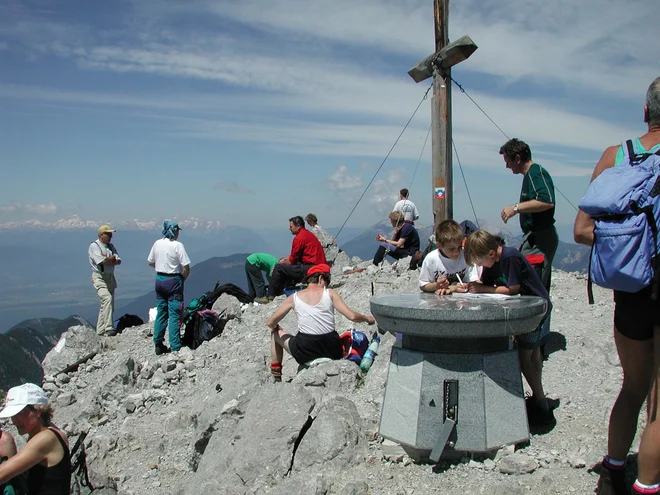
(407, 207)
(103, 257)
(169, 258)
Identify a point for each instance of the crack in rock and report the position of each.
(305, 428)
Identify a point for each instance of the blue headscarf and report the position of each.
(170, 229)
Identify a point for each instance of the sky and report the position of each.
(250, 112)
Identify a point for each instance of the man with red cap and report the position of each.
(315, 309)
(306, 251)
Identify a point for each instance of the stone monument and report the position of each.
(454, 381)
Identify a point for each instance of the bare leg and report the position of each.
(649, 449)
(531, 365)
(279, 340)
(636, 357)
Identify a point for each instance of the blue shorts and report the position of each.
(536, 338)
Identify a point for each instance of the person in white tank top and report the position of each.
(314, 307)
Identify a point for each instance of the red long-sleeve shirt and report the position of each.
(306, 249)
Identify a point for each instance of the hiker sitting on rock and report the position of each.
(404, 241)
(45, 457)
(315, 309)
(444, 270)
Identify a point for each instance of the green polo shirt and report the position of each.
(263, 261)
(537, 185)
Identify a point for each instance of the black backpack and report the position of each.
(202, 325)
(128, 321)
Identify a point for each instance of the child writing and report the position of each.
(444, 270)
(506, 271)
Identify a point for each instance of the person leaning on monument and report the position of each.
(103, 257)
(407, 207)
(637, 339)
(169, 258)
(45, 457)
(306, 251)
(315, 309)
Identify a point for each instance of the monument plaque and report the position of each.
(454, 381)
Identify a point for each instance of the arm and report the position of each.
(479, 288)
(297, 248)
(343, 308)
(7, 444)
(531, 206)
(274, 320)
(185, 272)
(36, 450)
(583, 229)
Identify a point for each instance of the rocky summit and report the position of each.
(212, 421)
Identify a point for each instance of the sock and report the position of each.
(641, 488)
(612, 463)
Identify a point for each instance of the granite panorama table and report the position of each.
(454, 381)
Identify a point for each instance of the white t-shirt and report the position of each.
(408, 209)
(169, 256)
(98, 252)
(436, 265)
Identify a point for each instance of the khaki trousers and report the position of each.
(105, 285)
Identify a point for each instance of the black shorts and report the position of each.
(635, 314)
(305, 347)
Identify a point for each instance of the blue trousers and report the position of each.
(169, 295)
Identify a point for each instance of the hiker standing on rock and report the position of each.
(169, 258)
(406, 207)
(103, 257)
(636, 335)
(45, 457)
(315, 309)
(536, 206)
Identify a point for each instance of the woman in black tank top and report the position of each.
(45, 457)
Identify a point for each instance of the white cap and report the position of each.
(27, 394)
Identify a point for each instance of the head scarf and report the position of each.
(170, 229)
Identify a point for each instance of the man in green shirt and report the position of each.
(254, 266)
(536, 206)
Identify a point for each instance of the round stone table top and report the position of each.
(457, 316)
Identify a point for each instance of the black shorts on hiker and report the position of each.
(305, 347)
(635, 314)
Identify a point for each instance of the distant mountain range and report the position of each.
(24, 346)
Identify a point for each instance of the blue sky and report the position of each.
(249, 112)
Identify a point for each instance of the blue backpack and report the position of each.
(624, 203)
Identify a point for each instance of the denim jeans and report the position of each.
(169, 295)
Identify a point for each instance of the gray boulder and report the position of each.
(75, 346)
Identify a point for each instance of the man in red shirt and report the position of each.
(306, 251)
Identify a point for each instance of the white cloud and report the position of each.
(384, 192)
(35, 209)
(341, 180)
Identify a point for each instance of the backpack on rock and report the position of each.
(624, 202)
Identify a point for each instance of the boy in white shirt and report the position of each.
(444, 270)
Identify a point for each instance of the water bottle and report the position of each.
(370, 354)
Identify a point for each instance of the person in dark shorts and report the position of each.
(315, 308)
(45, 457)
(636, 335)
(507, 271)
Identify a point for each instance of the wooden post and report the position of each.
(443, 207)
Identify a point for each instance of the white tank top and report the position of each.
(318, 319)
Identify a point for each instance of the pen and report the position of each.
(459, 279)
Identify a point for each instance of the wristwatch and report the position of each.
(515, 209)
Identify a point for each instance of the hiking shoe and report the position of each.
(539, 419)
(264, 299)
(162, 349)
(111, 333)
(611, 481)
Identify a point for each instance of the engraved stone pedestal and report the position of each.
(454, 382)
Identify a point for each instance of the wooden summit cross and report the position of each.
(439, 67)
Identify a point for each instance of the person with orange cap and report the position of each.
(315, 308)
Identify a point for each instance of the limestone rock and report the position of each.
(517, 464)
(227, 306)
(74, 345)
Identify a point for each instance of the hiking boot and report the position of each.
(111, 333)
(264, 299)
(611, 481)
(162, 349)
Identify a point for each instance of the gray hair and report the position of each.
(653, 103)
